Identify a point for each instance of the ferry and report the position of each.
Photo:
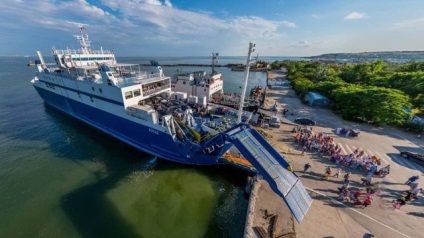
(140, 109)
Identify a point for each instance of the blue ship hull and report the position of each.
(139, 136)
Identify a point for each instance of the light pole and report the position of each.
(246, 78)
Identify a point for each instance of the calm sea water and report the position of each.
(60, 178)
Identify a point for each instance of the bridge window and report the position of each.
(128, 95)
(137, 92)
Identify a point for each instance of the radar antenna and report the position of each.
(82, 38)
(79, 25)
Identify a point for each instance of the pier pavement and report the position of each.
(324, 218)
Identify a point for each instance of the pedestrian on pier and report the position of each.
(412, 179)
(306, 167)
(338, 172)
(304, 149)
(347, 176)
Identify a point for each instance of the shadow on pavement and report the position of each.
(418, 214)
(396, 158)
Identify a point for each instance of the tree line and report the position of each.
(378, 92)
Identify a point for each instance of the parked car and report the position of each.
(305, 121)
(412, 155)
(348, 132)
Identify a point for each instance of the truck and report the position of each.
(274, 121)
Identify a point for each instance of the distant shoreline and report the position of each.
(234, 67)
(398, 55)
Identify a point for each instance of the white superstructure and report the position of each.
(200, 84)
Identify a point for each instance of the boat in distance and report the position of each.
(140, 109)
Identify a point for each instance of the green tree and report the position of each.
(375, 104)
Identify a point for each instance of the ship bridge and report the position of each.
(272, 166)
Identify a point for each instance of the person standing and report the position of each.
(347, 176)
(327, 173)
(367, 202)
(412, 179)
(338, 172)
(303, 150)
(368, 179)
(306, 167)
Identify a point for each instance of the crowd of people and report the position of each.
(412, 193)
(324, 144)
(346, 194)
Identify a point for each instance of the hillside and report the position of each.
(395, 56)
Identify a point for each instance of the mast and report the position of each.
(82, 38)
(246, 77)
(214, 61)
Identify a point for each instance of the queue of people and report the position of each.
(358, 160)
(325, 145)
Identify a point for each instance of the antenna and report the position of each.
(82, 38)
(79, 25)
(246, 78)
(214, 61)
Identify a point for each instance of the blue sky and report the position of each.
(199, 27)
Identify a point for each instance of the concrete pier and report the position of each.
(267, 211)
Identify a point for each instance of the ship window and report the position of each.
(91, 98)
(137, 92)
(128, 95)
(100, 90)
(205, 89)
(93, 88)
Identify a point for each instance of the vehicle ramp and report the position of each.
(273, 167)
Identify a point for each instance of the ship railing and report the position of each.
(153, 91)
(138, 78)
(85, 78)
(79, 51)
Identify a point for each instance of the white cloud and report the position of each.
(168, 3)
(410, 23)
(134, 27)
(301, 44)
(355, 16)
(151, 2)
(254, 27)
(288, 24)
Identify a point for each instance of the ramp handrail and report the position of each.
(272, 166)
